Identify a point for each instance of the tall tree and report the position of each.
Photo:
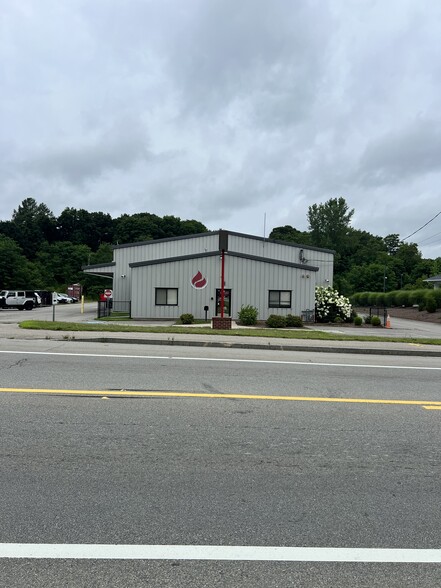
(329, 223)
(86, 228)
(15, 270)
(136, 227)
(32, 225)
(63, 261)
(392, 243)
(289, 233)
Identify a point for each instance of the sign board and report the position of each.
(198, 281)
(54, 298)
(108, 293)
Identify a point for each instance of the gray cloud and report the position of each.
(116, 148)
(224, 111)
(402, 154)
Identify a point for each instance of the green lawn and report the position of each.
(273, 333)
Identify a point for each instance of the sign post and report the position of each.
(54, 302)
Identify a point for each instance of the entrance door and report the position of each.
(227, 302)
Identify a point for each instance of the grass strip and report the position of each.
(264, 333)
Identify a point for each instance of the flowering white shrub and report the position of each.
(329, 304)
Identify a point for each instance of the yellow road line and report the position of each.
(149, 393)
(432, 407)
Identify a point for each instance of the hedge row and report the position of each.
(424, 298)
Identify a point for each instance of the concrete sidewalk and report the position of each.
(13, 331)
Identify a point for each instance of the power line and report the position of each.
(428, 222)
(431, 237)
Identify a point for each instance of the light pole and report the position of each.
(384, 280)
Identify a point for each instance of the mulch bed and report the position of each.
(412, 314)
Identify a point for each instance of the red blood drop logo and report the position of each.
(198, 281)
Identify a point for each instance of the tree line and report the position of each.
(363, 262)
(41, 251)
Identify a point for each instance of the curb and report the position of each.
(269, 346)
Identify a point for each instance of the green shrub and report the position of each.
(390, 298)
(248, 315)
(355, 299)
(367, 320)
(293, 320)
(417, 296)
(375, 321)
(329, 304)
(402, 298)
(187, 318)
(437, 295)
(364, 299)
(337, 319)
(276, 321)
(372, 298)
(430, 303)
(352, 317)
(381, 299)
(358, 321)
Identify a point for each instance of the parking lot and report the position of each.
(63, 312)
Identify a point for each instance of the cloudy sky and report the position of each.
(225, 111)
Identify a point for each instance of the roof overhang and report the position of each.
(105, 270)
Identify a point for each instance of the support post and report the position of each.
(222, 300)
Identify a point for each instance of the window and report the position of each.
(166, 296)
(279, 299)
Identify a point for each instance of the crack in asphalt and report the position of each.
(18, 363)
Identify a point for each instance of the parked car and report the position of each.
(17, 299)
(65, 298)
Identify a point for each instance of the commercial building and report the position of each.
(165, 278)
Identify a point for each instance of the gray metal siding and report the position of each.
(249, 280)
(322, 259)
(165, 249)
(175, 275)
(154, 250)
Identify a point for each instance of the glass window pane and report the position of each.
(161, 296)
(285, 298)
(274, 297)
(172, 297)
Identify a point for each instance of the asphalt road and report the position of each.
(216, 469)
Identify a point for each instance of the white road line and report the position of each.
(217, 552)
(225, 360)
